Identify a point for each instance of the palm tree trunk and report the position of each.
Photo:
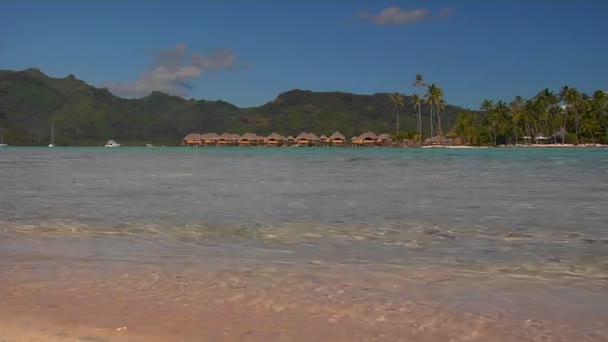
(553, 128)
(577, 123)
(419, 124)
(431, 121)
(397, 129)
(439, 122)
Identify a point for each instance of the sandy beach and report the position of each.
(248, 302)
(49, 294)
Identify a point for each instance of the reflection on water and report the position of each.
(363, 238)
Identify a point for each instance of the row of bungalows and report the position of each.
(275, 139)
(371, 139)
(251, 139)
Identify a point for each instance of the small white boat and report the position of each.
(112, 143)
(149, 145)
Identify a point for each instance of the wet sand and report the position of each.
(49, 295)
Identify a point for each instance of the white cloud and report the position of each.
(172, 71)
(399, 16)
(396, 16)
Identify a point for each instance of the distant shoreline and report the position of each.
(521, 146)
(552, 146)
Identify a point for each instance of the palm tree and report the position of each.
(439, 105)
(419, 83)
(549, 101)
(488, 106)
(517, 114)
(398, 102)
(434, 97)
(417, 105)
(571, 98)
(429, 100)
(500, 117)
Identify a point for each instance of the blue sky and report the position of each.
(247, 52)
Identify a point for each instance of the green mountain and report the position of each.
(85, 115)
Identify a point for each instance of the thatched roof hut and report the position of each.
(193, 136)
(274, 139)
(276, 136)
(368, 138)
(337, 139)
(224, 137)
(384, 138)
(354, 139)
(260, 139)
(303, 139)
(368, 135)
(209, 138)
(324, 138)
(313, 137)
(248, 139)
(290, 138)
(227, 139)
(192, 139)
(337, 135)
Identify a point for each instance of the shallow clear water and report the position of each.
(470, 205)
(475, 219)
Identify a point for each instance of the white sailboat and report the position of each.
(52, 144)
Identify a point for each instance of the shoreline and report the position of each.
(323, 147)
(112, 297)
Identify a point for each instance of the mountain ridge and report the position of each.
(83, 114)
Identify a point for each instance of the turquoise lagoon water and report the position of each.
(489, 228)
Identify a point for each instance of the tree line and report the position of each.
(566, 116)
(433, 98)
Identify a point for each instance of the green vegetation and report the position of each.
(418, 83)
(398, 102)
(85, 115)
(567, 117)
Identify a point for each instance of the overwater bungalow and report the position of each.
(209, 139)
(260, 140)
(324, 139)
(303, 139)
(337, 139)
(368, 139)
(384, 139)
(248, 139)
(275, 139)
(235, 139)
(228, 139)
(354, 140)
(314, 139)
(192, 139)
